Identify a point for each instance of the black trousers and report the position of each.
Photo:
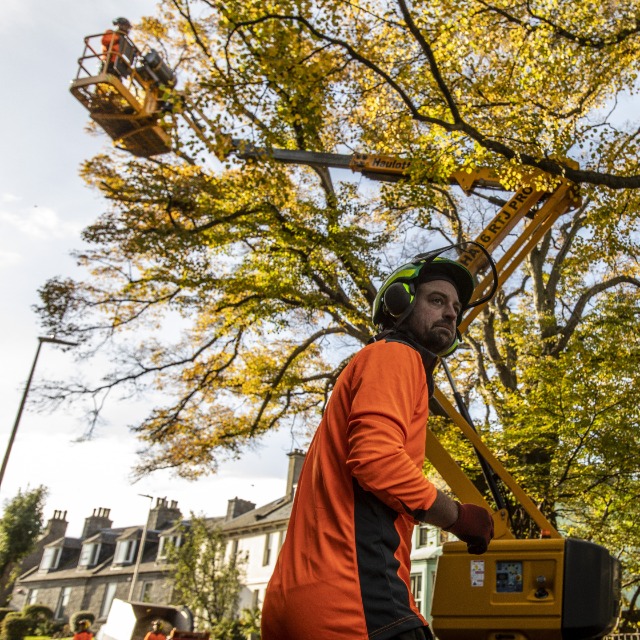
(422, 633)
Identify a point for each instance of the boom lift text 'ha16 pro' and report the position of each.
(547, 588)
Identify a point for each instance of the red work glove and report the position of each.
(473, 526)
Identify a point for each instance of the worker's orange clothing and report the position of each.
(155, 635)
(83, 635)
(110, 39)
(343, 571)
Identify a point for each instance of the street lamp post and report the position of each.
(141, 548)
(41, 340)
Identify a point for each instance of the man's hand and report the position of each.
(473, 526)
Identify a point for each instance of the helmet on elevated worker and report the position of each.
(396, 297)
(123, 24)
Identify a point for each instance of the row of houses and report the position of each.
(86, 573)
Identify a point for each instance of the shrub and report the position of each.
(40, 617)
(15, 626)
(37, 612)
(60, 630)
(4, 611)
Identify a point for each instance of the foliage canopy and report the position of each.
(269, 270)
(20, 526)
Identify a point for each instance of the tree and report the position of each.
(296, 258)
(20, 526)
(207, 580)
(270, 270)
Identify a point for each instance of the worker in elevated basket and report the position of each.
(343, 571)
(111, 45)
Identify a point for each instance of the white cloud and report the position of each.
(9, 197)
(39, 222)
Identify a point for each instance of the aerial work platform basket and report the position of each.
(120, 87)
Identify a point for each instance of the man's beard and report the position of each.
(437, 341)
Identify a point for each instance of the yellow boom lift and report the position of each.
(545, 588)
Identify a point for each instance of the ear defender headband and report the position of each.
(396, 298)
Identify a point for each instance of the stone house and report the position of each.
(87, 573)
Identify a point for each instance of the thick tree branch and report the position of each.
(578, 309)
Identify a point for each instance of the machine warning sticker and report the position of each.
(477, 573)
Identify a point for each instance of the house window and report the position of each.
(281, 537)
(89, 555)
(416, 587)
(423, 535)
(50, 558)
(63, 602)
(255, 600)
(166, 542)
(266, 556)
(145, 592)
(125, 551)
(109, 595)
(32, 596)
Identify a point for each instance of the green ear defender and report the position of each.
(398, 298)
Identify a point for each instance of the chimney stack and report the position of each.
(163, 515)
(296, 459)
(97, 521)
(56, 526)
(237, 507)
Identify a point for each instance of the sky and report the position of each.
(44, 205)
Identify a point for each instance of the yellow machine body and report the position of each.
(541, 589)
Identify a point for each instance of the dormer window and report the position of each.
(50, 558)
(167, 542)
(125, 551)
(89, 554)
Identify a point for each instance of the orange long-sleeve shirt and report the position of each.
(343, 571)
(110, 46)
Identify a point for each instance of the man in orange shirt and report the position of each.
(156, 632)
(111, 45)
(83, 631)
(344, 569)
